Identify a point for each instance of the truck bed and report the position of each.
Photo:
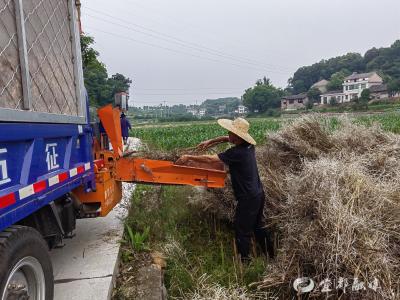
(40, 163)
(40, 62)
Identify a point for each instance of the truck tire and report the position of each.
(25, 267)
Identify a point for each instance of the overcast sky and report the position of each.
(183, 51)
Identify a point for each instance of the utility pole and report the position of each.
(164, 109)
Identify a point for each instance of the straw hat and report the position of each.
(240, 127)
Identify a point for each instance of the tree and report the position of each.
(100, 88)
(371, 54)
(262, 96)
(89, 55)
(365, 95)
(306, 76)
(336, 80)
(333, 101)
(386, 61)
(393, 87)
(229, 105)
(119, 83)
(314, 95)
(309, 104)
(361, 103)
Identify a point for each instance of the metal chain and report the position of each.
(68, 58)
(51, 49)
(45, 60)
(39, 69)
(33, 10)
(5, 6)
(8, 44)
(65, 59)
(11, 42)
(38, 40)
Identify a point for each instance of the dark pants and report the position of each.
(249, 220)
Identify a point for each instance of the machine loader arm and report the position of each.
(112, 168)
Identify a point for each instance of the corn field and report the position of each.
(178, 136)
(188, 135)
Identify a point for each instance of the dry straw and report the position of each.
(333, 200)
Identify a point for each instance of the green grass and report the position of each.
(189, 135)
(389, 122)
(178, 136)
(205, 244)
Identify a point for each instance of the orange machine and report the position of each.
(112, 168)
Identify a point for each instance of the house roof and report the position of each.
(293, 97)
(320, 83)
(332, 93)
(358, 76)
(378, 88)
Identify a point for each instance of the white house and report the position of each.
(241, 109)
(328, 97)
(202, 112)
(192, 111)
(354, 84)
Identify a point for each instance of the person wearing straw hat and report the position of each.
(246, 184)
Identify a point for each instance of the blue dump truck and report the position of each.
(55, 167)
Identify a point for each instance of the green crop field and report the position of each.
(184, 135)
(389, 122)
(189, 135)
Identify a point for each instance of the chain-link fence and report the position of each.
(38, 65)
(10, 74)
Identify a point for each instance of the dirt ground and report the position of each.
(128, 280)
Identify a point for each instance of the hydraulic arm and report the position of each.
(112, 168)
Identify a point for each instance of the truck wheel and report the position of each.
(25, 267)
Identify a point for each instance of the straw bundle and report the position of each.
(334, 199)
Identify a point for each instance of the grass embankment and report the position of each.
(198, 248)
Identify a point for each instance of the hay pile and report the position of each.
(333, 197)
(212, 291)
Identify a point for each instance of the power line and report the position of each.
(189, 89)
(180, 94)
(180, 52)
(183, 43)
(180, 23)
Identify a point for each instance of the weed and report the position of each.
(137, 240)
(194, 242)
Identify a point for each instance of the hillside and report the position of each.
(222, 105)
(384, 60)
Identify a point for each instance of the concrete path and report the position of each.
(85, 268)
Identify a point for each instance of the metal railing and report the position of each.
(41, 78)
